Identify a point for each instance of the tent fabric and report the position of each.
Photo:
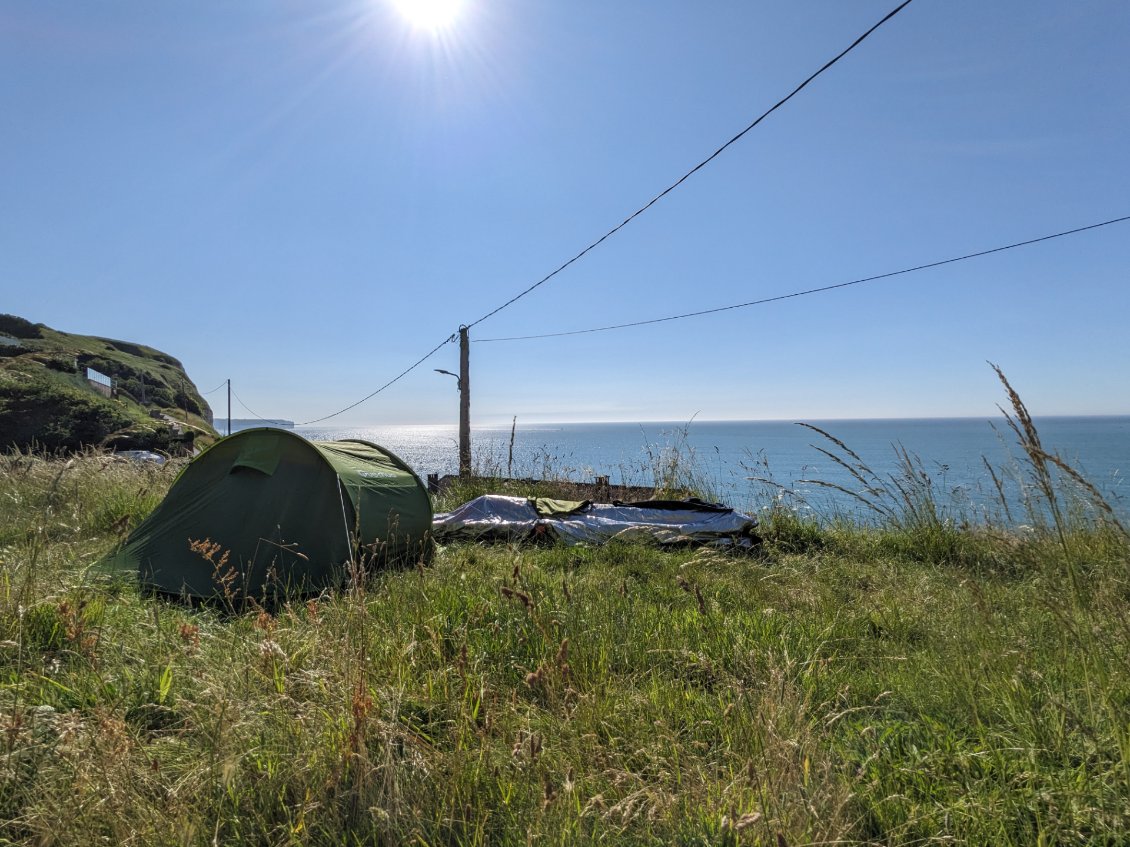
(288, 513)
(496, 517)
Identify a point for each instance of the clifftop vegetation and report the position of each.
(915, 681)
(47, 402)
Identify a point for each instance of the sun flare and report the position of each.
(431, 15)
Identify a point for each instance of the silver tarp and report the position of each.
(495, 517)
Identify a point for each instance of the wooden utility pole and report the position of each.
(229, 406)
(464, 403)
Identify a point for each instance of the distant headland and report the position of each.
(248, 423)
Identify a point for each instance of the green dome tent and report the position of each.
(288, 513)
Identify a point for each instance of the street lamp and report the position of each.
(464, 418)
(458, 381)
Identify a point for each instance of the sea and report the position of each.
(972, 468)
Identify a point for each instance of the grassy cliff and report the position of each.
(46, 401)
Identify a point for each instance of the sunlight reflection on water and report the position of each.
(724, 455)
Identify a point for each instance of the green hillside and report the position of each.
(47, 402)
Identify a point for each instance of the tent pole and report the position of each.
(464, 403)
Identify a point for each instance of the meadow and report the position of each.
(912, 680)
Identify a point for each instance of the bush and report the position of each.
(158, 393)
(185, 400)
(18, 327)
(163, 439)
(142, 352)
(126, 347)
(110, 367)
(38, 412)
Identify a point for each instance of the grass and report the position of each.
(912, 682)
(668, 469)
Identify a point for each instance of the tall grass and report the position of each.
(666, 468)
(857, 684)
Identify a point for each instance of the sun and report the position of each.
(432, 15)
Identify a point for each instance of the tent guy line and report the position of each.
(807, 291)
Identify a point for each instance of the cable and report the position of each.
(696, 168)
(623, 223)
(253, 413)
(396, 378)
(813, 290)
(214, 390)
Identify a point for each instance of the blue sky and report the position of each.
(306, 197)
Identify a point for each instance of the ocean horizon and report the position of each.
(748, 463)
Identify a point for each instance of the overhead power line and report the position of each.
(808, 291)
(249, 410)
(628, 219)
(696, 168)
(395, 379)
(214, 390)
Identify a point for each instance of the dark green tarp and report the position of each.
(288, 513)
